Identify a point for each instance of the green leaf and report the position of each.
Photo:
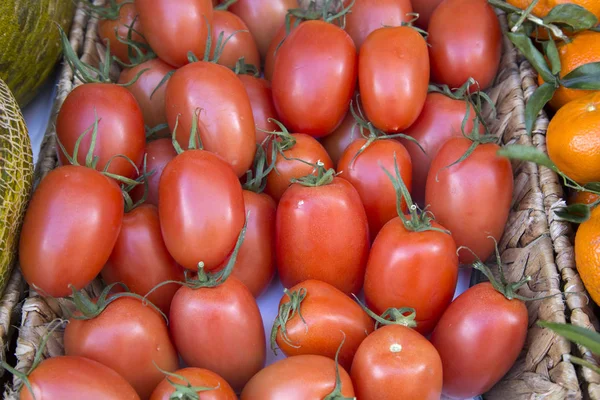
(533, 55)
(585, 77)
(584, 337)
(537, 101)
(573, 16)
(593, 187)
(526, 153)
(551, 52)
(575, 213)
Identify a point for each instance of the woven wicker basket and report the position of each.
(534, 243)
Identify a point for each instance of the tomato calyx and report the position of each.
(243, 68)
(225, 6)
(328, 11)
(184, 391)
(287, 311)
(109, 11)
(405, 316)
(138, 52)
(195, 142)
(256, 177)
(322, 178)
(142, 180)
(336, 393)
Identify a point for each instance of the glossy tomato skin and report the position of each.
(120, 126)
(472, 362)
(71, 246)
(219, 329)
(327, 312)
(375, 188)
(297, 378)
(322, 233)
(412, 269)
(315, 98)
(67, 377)
(336, 143)
(471, 199)
(241, 44)
(261, 99)
(175, 28)
(396, 362)
(392, 88)
(306, 148)
(201, 209)
(440, 120)
(369, 15)
(466, 42)
(158, 154)
(197, 377)
(128, 337)
(424, 8)
(140, 258)
(226, 124)
(110, 29)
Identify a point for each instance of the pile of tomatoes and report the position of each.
(341, 169)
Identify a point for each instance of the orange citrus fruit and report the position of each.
(573, 139)
(543, 7)
(587, 254)
(583, 198)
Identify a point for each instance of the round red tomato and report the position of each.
(393, 88)
(120, 126)
(395, 362)
(196, 377)
(130, 338)
(111, 29)
(479, 338)
(158, 154)
(58, 234)
(67, 377)
(201, 209)
(365, 173)
(240, 45)
(227, 334)
(424, 8)
(465, 42)
(175, 28)
(261, 99)
(298, 378)
(225, 121)
(314, 77)
(472, 199)
(341, 138)
(324, 318)
(322, 233)
(140, 258)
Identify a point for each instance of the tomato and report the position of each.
(196, 377)
(424, 8)
(263, 18)
(201, 209)
(60, 243)
(118, 27)
(140, 258)
(297, 378)
(225, 123)
(261, 99)
(226, 334)
(128, 337)
(152, 105)
(472, 199)
(369, 15)
(340, 139)
(66, 377)
(306, 148)
(440, 120)
(395, 362)
(175, 28)
(240, 45)
(120, 126)
(158, 154)
(326, 313)
(273, 49)
(479, 338)
(465, 42)
(314, 99)
(322, 233)
(392, 88)
(365, 173)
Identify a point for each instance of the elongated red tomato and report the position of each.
(130, 338)
(197, 377)
(140, 258)
(314, 99)
(440, 120)
(67, 377)
(120, 126)
(261, 100)
(297, 378)
(341, 138)
(240, 45)
(369, 15)
(472, 198)
(365, 173)
(111, 29)
(324, 317)
(175, 28)
(465, 42)
(395, 362)
(59, 247)
(201, 209)
(424, 8)
(226, 335)
(276, 42)
(322, 233)
(158, 154)
(472, 362)
(392, 88)
(225, 123)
